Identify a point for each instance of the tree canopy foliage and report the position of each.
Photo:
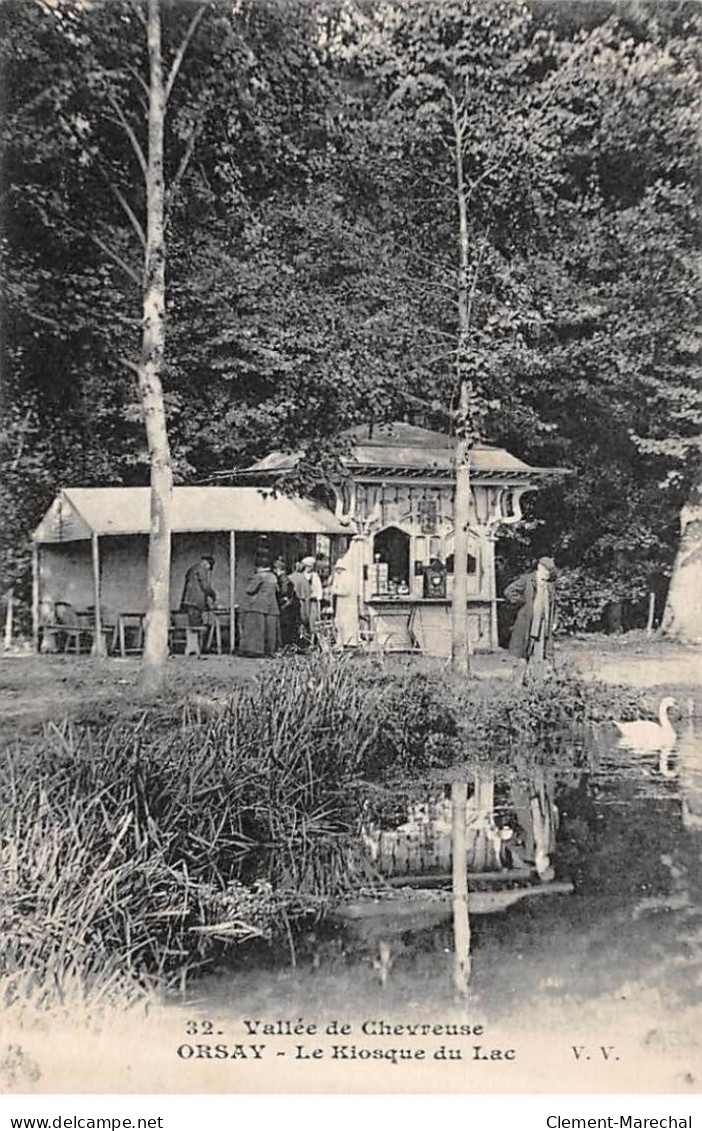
(311, 239)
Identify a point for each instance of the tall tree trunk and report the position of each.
(682, 618)
(460, 653)
(150, 368)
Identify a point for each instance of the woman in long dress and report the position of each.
(344, 593)
(259, 616)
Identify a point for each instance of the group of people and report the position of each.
(280, 609)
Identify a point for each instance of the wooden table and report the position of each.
(404, 624)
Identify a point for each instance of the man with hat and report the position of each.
(535, 592)
(301, 585)
(198, 594)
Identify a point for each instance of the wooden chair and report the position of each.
(366, 630)
(108, 628)
(50, 638)
(324, 636)
(81, 632)
(68, 630)
(128, 634)
(373, 644)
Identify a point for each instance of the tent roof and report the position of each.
(78, 512)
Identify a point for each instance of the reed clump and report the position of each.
(132, 851)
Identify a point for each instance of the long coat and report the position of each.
(301, 585)
(197, 589)
(259, 615)
(522, 592)
(289, 605)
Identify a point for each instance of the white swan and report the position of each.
(646, 735)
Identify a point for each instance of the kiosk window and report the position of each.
(392, 546)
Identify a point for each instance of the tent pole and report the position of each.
(493, 596)
(98, 638)
(232, 589)
(35, 596)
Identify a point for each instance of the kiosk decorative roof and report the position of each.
(390, 450)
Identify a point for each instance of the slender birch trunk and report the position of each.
(150, 369)
(682, 618)
(460, 652)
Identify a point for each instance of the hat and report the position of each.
(310, 561)
(549, 563)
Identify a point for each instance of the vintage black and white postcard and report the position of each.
(351, 547)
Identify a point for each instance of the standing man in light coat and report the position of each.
(532, 634)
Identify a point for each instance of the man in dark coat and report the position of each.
(259, 615)
(198, 594)
(532, 634)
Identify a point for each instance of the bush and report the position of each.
(583, 596)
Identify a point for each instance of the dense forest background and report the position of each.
(311, 245)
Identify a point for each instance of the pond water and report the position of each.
(613, 969)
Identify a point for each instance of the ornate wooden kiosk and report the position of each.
(397, 502)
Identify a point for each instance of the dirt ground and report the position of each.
(35, 688)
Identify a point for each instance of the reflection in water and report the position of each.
(537, 816)
(511, 826)
(623, 827)
(690, 772)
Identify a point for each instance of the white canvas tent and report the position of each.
(90, 549)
